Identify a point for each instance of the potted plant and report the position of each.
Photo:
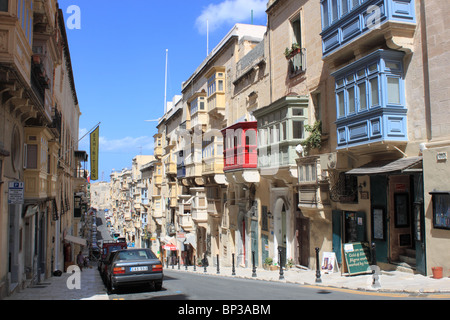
(268, 264)
(292, 51)
(289, 264)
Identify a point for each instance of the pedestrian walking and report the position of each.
(80, 261)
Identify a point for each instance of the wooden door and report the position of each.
(303, 246)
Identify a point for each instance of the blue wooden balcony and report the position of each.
(344, 21)
(370, 100)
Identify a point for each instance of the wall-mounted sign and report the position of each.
(16, 192)
(441, 210)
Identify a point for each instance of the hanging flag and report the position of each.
(94, 153)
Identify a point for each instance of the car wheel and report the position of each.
(110, 288)
(158, 286)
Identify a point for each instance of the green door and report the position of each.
(419, 223)
(337, 234)
(378, 198)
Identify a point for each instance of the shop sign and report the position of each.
(357, 256)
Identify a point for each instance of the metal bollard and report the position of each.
(318, 280)
(204, 263)
(179, 262)
(254, 267)
(185, 263)
(233, 270)
(281, 264)
(218, 269)
(195, 264)
(375, 268)
(167, 262)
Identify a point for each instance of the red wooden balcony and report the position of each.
(240, 147)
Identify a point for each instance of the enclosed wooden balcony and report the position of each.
(349, 26)
(240, 146)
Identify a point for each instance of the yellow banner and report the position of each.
(94, 153)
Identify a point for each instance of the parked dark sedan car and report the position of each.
(132, 267)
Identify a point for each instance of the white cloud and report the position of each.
(123, 145)
(229, 12)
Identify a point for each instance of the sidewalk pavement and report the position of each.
(92, 288)
(56, 288)
(389, 281)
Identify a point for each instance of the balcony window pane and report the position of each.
(362, 96)
(351, 100)
(341, 104)
(297, 129)
(393, 90)
(354, 3)
(344, 7)
(297, 111)
(277, 133)
(220, 85)
(374, 101)
(4, 5)
(334, 10)
(325, 18)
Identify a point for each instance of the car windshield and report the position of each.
(136, 255)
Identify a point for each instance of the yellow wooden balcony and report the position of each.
(186, 222)
(213, 165)
(158, 152)
(171, 168)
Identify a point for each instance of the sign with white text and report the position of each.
(16, 192)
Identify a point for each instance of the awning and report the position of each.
(191, 239)
(387, 166)
(169, 240)
(75, 240)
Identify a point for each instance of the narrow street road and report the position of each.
(188, 286)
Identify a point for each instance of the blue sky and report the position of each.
(118, 57)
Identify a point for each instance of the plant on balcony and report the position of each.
(290, 52)
(314, 141)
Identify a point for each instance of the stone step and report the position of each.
(407, 259)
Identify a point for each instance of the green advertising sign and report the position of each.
(357, 257)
